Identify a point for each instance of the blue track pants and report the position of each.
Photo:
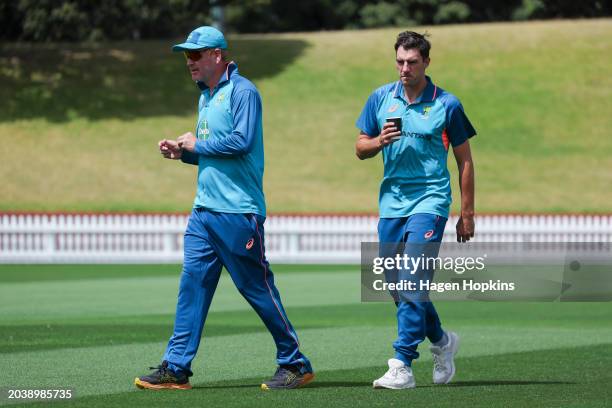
(415, 319)
(236, 241)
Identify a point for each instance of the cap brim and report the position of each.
(187, 47)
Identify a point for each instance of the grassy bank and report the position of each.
(79, 124)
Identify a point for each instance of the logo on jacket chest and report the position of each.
(219, 100)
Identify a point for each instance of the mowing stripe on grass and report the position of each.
(31, 335)
(30, 273)
(86, 332)
(157, 295)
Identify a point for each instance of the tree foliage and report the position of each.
(90, 20)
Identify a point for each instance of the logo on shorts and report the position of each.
(428, 234)
(250, 243)
(393, 108)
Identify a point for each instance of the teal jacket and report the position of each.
(229, 151)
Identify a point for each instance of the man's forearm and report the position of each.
(466, 184)
(367, 147)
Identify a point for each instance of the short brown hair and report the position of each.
(409, 39)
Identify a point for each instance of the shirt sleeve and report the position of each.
(458, 126)
(367, 121)
(189, 157)
(246, 111)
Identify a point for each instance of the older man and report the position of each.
(226, 224)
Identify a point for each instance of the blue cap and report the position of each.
(202, 37)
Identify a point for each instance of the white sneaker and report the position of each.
(399, 376)
(444, 359)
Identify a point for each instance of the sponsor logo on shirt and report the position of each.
(203, 130)
(393, 108)
(425, 113)
(428, 234)
(417, 135)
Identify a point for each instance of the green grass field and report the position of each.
(79, 123)
(94, 328)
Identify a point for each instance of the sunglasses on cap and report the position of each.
(196, 55)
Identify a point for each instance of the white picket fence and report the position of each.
(158, 238)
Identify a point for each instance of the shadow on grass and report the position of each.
(360, 378)
(360, 384)
(480, 383)
(31, 338)
(61, 82)
(250, 384)
(336, 384)
(256, 384)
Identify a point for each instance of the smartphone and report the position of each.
(397, 123)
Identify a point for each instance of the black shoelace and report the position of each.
(161, 369)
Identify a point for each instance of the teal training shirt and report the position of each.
(416, 177)
(229, 148)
